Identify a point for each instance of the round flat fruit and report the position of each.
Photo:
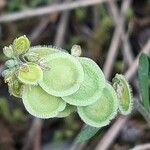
(102, 111)
(30, 73)
(43, 51)
(124, 94)
(40, 104)
(21, 45)
(15, 88)
(92, 86)
(64, 76)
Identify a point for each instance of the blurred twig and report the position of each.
(142, 147)
(42, 25)
(38, 29)
(35, 126)
(59, 39)
(131, 71)
(48, 10)
(119, 34)
(119, 20)
(114, 130)
(1, 69)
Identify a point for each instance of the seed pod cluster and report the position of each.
(53, 83)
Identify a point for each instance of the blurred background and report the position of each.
(110, 32)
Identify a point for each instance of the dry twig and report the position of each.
(36, 125)
(48, 9)
(119, 34)
(142, 147)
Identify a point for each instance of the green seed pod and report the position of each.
(15, 87)
(76, 50)
(102, 111)
(31, 57)
(21, 45)
(11, 63)
(8, 51)
(40, 104)
(30, 73)
(67, 111)
(6, 73)
(92, 86)
(64, 76)
(43, 51)
(124, 94)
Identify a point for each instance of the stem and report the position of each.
(143, 112)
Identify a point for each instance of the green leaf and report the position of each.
(86, 133)
(143, 76)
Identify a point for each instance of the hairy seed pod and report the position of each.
(92, 86)
(15, 87)
(8, 51)
(31, 57)
(102, 111)
(64, 76)
(76, 50)
(40, 104)
(21, 45)
(30, 73)
(11, 63)
(124, 93)
(67, 111)
(43, 51)
(6, 73)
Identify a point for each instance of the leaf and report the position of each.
(143, 75)
(86, 133)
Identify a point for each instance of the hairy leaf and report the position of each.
(143, 76)
(86, 133)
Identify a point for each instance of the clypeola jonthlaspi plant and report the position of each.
(54, 83)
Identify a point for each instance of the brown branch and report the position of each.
(119, 34)
(48, 9)
(131, 71)
(114, 130)
(59, 39)
(36, 124)
(39, 29)
(120, 21)
(112, 53)
(141, 147)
